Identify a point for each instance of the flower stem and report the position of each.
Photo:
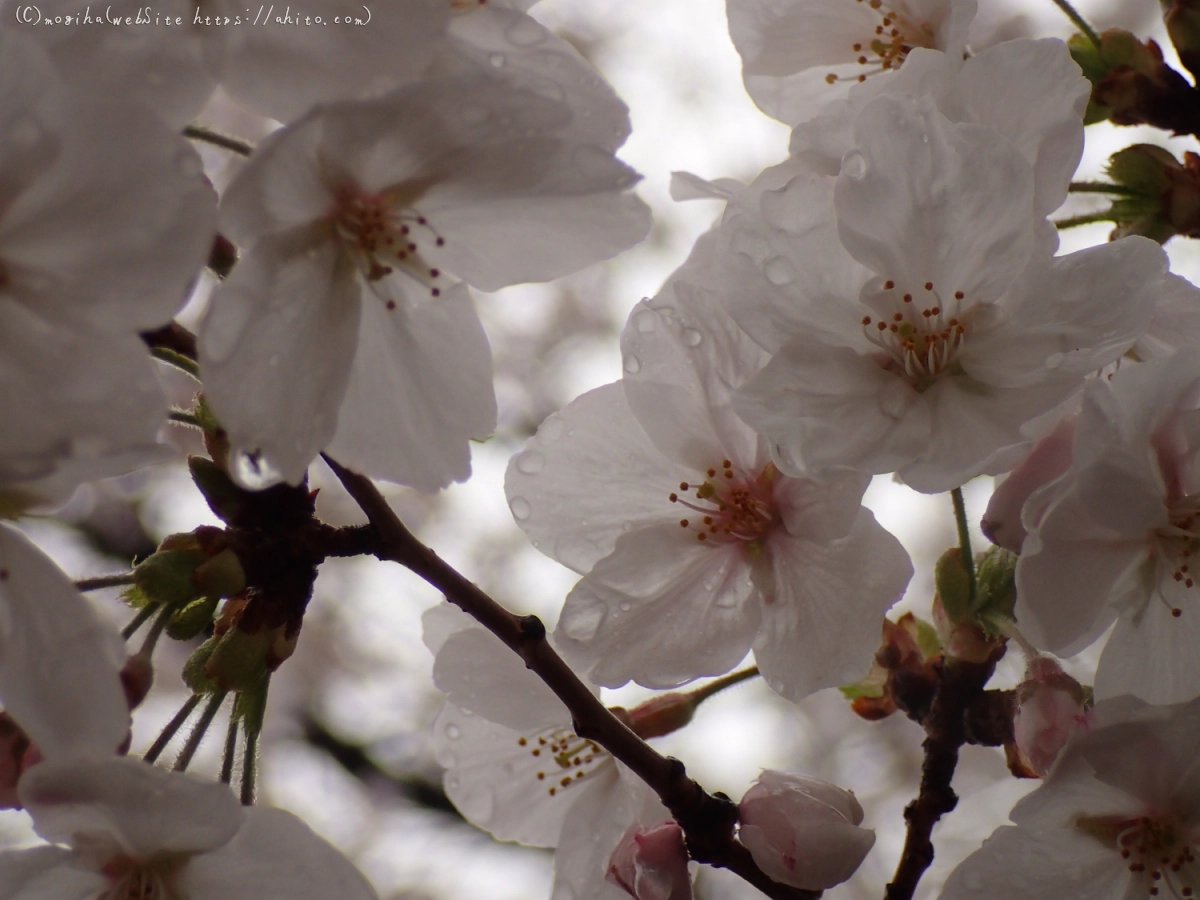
(1100, 187)
(171, 728)
(156, 631)
(233, 145)
(184, 418)
(703, 693)
(193, 742)
(178, 360)
(249, 768)
(1088, 219)
(230, 750)
(1079, 21)
(138, 621)
(104, 581)
(964, 542)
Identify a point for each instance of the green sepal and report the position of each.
(190, 621)
(224, 498)
(995, 588)
(239, 660)
(166, 576)
(251, 705)
(195, 673)
(952, 582)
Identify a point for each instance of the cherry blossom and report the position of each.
(1050, 709)
(800, 55)
(345, 327)
(651, 863)
(698, 548)
(917, 323)
(132, 830)
(803, 831)
(1112, 539)
(515, 767)
(1116, 817)
(59, 662)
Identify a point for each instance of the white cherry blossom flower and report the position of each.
(345, 327)
(803, 831)
(1118, 816)
(917, 322)
(1114, 537)
(800, 55)
(133, 830)
(697, 548)
(1030, 92)
(515, 767)
(652, 863)
(59, 662)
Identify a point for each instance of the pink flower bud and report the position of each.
(1049, 458)
(651, 863)
(803, 831)
(1051, 708)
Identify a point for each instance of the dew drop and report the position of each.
(854, 165)
(583, 625)
(645, 321)
(552, 429)
(453, 732)
(531, 462)
(779, 271)
(692, 337)
(632, 364)
(521, 509)
(496, 59)
(626, 606)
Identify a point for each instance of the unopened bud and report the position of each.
(1166, 201)
(953, 584)
(137, 677)
(1051, 707)
(662, 715)
(1182, 18)
(803, 831)
(651, 863)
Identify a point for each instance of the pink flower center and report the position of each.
(385, 234)
(568, 759)
(729, 504)
(894, 37)
(921, 338)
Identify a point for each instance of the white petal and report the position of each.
(1151, 653)
(276, 349)
(420, 388)
(821, 511)
(822, 627)
(923, 200)
(662, 610)
(58, 878)
(59, 662)
(552, 484)
(274, 856)
(441, 621)
(135, 807)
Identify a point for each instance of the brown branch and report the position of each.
(960, 685)
(707, 820)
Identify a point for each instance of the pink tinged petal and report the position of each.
(126, 806)
(481, 675)
(1049, 458)
(592, 831)
(662, 610)
(827, 407)
(821, 511)
(420, 387)
(552, 484)
(1050, 864)
(651, 863)
(771, 233)
(276, 349)
(1067, 316)
(1068, 569)
(1033, 93)
(281, 71)
(522, 52)
(803, 831)
(821, 628)
(274, 856)
(683, 358)
(59, 662)
(1152, 652)
(113, 235)
(509, 782)
(1050, 712)
(921, 200)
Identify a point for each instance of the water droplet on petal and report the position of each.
(854, 165)
(645, 321)
(632, 364)
(496, 59)
(583, 624)
(552, 429)
(531, 462)
(521, 509)
(626, 606)
(692, 337)
(453, 732)
(779, 271)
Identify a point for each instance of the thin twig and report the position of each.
(172, 728)
(964, 542)
(701, 694)
(1088, 219)
(707, 821)
(1100, 187)
(198, 133)
(104, 581)
(1079, 21)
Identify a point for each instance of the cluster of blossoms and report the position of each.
(889, 299)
